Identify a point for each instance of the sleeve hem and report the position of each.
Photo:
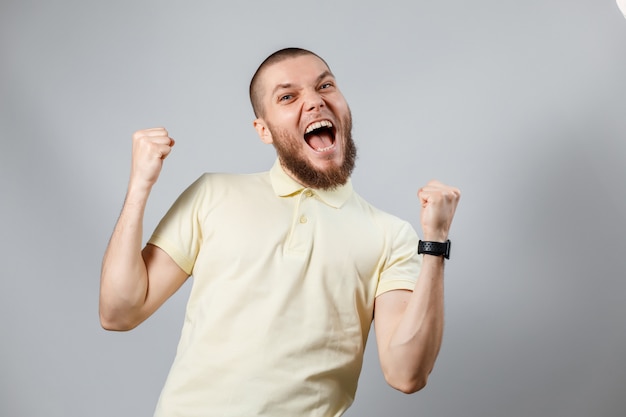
(177, 256)
(397, 284)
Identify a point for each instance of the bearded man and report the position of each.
(289, 265)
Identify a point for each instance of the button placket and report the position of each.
(300, 239)
(307, 193)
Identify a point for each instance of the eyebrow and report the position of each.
(320, 77)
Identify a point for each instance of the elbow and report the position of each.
(407, 384)
(119, 314)
(409, 387)
(115, 326)
(116, 323)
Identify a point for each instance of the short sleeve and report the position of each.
(179, 233)
(403, 264)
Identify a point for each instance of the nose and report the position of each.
(313, 101)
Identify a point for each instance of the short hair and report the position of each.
(278, 56)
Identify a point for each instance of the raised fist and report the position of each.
(439, 203)
(150, 148)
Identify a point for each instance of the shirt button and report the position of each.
(308, 193)
(303, 219)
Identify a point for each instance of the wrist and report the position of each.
(435, 236)
(139, 185)
(138, 193)
(441, 249)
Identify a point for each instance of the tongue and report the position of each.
(319, 140)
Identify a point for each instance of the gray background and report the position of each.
(521, 104)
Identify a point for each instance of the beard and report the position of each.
(291, 157)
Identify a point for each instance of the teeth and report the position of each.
(317, 125)
(328, 148)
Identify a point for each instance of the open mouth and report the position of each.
(320, 136)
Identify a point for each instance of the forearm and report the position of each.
(124, 279)
(409, 325)
(414, 344)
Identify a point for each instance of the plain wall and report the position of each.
(521, 104)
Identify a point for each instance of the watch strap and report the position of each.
(434, 248)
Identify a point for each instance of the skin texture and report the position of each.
(409, 325)
(296, 92)
(135, 282)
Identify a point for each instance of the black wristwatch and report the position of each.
(434, 248)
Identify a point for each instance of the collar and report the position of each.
(285, 186)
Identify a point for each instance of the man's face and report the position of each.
(308, 120)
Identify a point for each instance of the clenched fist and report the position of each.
(439, 203)
(150, 148)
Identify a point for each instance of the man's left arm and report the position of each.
(409, 324)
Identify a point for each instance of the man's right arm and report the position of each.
(135, 282)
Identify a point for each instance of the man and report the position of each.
(289, 265)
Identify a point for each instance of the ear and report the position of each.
(264, 133)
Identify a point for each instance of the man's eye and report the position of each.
(285, 97)
(326, 85)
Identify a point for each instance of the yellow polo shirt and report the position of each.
(284, 282)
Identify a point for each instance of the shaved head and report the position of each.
(256, 87)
